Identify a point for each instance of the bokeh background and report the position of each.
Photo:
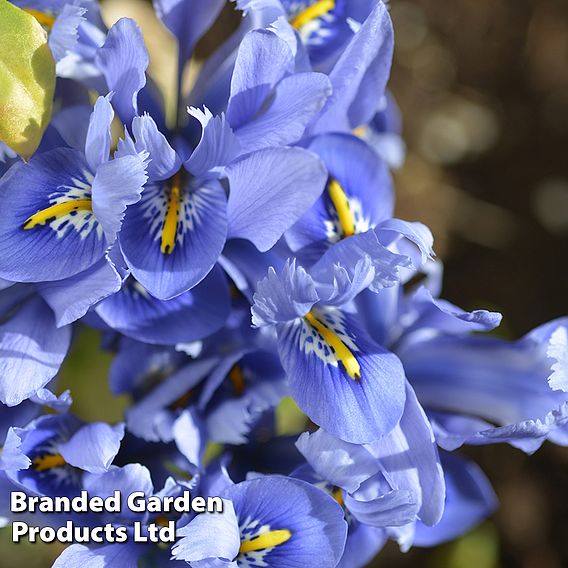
(483, 90)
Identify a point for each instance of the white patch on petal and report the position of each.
(361, 223)
(255, 559)
(82, 222)
(311, 341)
(193, 205)
(558, 350)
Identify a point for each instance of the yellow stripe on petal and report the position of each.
(360, 131)
(341, 204)
(317, 10)
(266, 540)
(342, 352)
(44, 19)
(58, 210)
(169, 230)
(237, 378)
(337, 494)
(47, 462)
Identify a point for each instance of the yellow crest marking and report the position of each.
(320, 8)
(47, 462)
(59, 210)
(342, 352)
(237, 377)
(269, 539)
(169, 230)
(341, 204)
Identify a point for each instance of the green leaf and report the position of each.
(27, 80)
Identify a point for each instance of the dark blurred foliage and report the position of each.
(483, 90)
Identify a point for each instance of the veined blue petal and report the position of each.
(269, 191)
(365, 262)
(395, 230)
(48, 230)
(313, 519)
(164, 161)
(355, 199)
(297, 99)
(123, 61)
(173, 237)
(31, 351)
(410, 460)
(188, 20)
(365, 63)
(283, 297)
(353, 389)
(188, 317)
(441, 315)
(341, 463)
(499, 388)
(363, 544)
(262, 61)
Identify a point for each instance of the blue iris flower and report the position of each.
(64, 209)
(50, 455)
(268, 521)
(174, 236)
(342, 380)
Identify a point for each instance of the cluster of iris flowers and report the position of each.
(245, 254)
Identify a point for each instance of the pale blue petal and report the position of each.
(269, 191)
(32, 349)
(123, 61)
(93, 447)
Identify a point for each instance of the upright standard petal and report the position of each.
(283, 120)
(188, 20)
(123, 61)
(98, 141)
(365, 63)
(263, 61)
(218, 145)
(269, 191)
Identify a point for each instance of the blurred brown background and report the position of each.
(483, 89)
